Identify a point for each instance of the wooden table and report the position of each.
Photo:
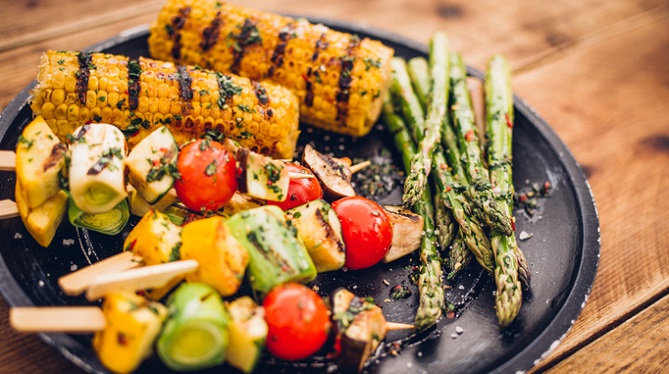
(598, 72)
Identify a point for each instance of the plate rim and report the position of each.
(538, 349)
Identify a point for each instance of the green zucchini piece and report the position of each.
(195, 336)
(277, 254)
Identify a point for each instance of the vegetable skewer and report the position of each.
(499, 119)
(421, 163)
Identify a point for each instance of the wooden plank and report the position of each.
(637, 346)
(607, 100)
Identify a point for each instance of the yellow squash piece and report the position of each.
(157, 240)
(42, 221)
(140, 95)
(40, 157)
(133, 323)
(222, 259)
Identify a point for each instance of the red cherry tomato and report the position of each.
(208, 178)
(367, 231)
(298, 321)
(300, 191)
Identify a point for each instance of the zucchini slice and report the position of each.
(262, 177)
(152, 165)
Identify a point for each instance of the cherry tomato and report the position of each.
(298, 321)
(300, 191)
(367, 231)
(208, 178)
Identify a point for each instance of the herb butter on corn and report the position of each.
(340, 79)
(140, 95)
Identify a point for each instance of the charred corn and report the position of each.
(140, 95)
(340, 79)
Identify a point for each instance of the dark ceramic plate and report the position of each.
(563, 253)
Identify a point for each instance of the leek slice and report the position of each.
(110, 222)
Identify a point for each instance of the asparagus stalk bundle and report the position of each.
(480, 190)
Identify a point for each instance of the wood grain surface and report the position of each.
(596, 71)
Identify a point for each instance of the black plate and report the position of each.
(563, 253)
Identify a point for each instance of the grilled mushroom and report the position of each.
(407, 232)
(334, 174)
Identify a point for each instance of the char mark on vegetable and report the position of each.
(185, 89)
(85, 66)
(134, 71)
(173, 30)
(211, 33)
(247, 36)
(345, 79)
(321, 44)
(261, 93)
(285, 34)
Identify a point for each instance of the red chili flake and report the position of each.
(522, 198)
(240, 171)
(450, 315)
(469, 135)
(508, 120)
(122, 339)
(547, 187)
(448, 188)
(443, 167)
(513, 225)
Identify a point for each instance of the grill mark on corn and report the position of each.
(134, 70)
(285, 34)
(321, 45)
(85, 65)
(345, 79)
(261, 93)
(185, 90)
(247, 36)
(173, 30)
(211, 33)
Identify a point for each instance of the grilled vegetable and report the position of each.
(360, 326)
(300, 190)
(139, 206)
(319, 228)
(140, 95)
(195, 336)
(97, 171)
(43, 220)
(262, 177)
(40, 157)
(367, 231)
(133, 323)
(407, 232)
(208, 175)
(298, 321)
(157, 240)
(238, 203)
(277, 255)
(248, 332)
(340, 79)
(152, 165)
(222, 258)
(110, 222)
(334, 175)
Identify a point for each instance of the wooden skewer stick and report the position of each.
(357, 167)
(146, 277)
(76, 283)
(394, 326)
(8, 209)
(294, 175)
(71, 319)
(7, 161)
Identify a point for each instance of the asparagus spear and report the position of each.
(459, 256)
(472, 233)
(421, 163)
(480, 189)
(430, 277)
(499, 122)
(420, 78)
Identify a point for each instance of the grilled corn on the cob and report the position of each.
(140, 95)
(339, 78)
